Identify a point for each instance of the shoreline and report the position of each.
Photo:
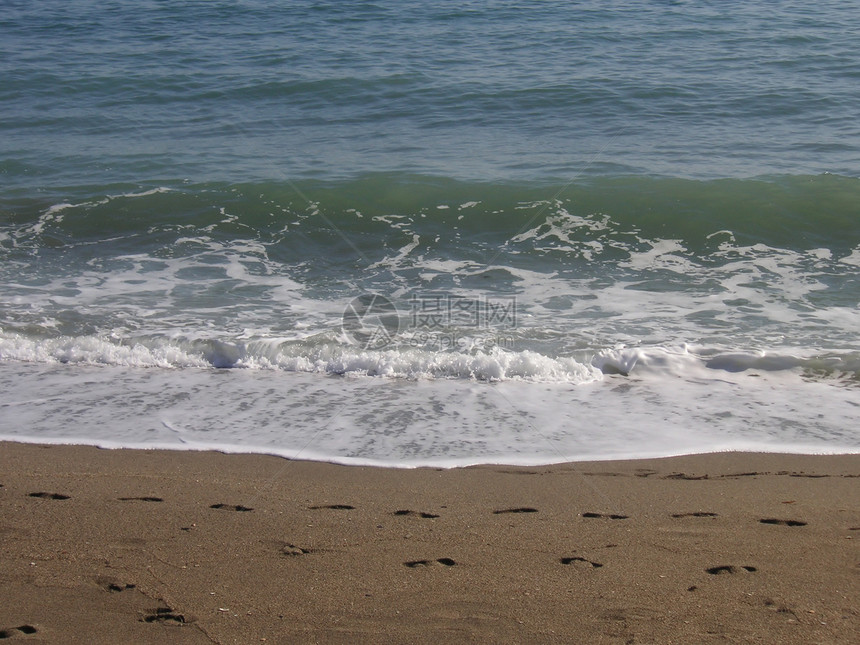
(106, 545)
(306, 455)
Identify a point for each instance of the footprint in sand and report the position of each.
(695, 514)
(426, 516)
(14, 631)
(165, 615)
(231, 507)
(519, 509)
(613, 516)
(293, 550)
(43, 495)
(685, 476)
(445, 562)
(727, 568)
(581, 562)
(113, 585)
(770, 520)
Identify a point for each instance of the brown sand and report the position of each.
(181, 547)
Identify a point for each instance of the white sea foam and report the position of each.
(143, 193)
(495, 364)
(96, 351)
(395, 261)
(54, 213)
(853, 259)
(409, 423)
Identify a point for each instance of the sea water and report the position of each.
(444, 233)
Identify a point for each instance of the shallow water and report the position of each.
(401, 234)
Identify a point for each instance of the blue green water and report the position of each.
(97, 92)
(600, 229)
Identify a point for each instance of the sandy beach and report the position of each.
(109, 546)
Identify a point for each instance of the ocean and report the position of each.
(431, 234)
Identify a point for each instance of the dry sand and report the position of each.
(123, 546)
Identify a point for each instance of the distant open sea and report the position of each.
(444, 233)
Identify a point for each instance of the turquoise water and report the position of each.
(587, 230)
